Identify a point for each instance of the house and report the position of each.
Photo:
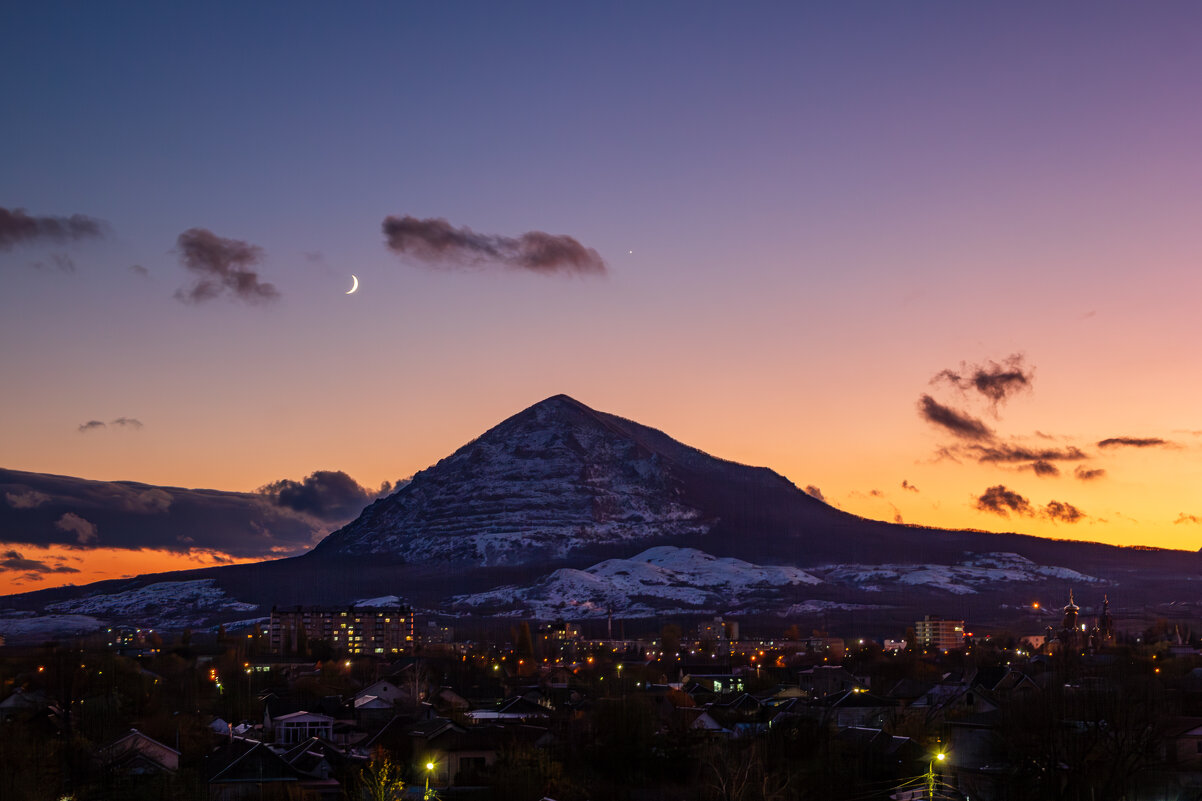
(389, 691)
(462, 756)
(823, 680)
(706, 722)
(852, 708)
(246, 769)
(512, 710)
(138, 754)
(300, 726)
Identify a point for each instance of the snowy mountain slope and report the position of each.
(656, 580)
(18, 627)
(543, 484)
(670, 580)
(165, 604)
(984, 571)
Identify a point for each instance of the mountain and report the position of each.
(564, 511)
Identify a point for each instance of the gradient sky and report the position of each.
(806, 211)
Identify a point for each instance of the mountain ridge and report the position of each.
(561, 499)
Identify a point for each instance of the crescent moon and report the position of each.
(354, 286)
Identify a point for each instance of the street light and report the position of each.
(939, 757)
(429, 770)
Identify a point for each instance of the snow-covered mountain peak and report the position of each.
(552, 480)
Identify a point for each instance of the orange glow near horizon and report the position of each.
(102, 564)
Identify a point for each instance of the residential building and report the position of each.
(939, 633)
(353, 630)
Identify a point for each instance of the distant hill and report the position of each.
(564, 511)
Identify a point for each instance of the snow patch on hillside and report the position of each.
(959, 579)
(813, 607)
(380, 602)
(661, 580)
(23, 626)
(166, 604)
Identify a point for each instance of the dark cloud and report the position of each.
(953, 421)
(221, 267)
(134, 516)
(1184, 518)
(91, 425)
(84, 530)
(139, 270)
(17, 227)
(327, 494)
(127, 422)
(1002, 452)
(436, 242)
(814, 492)
(1045, 469)
(1087, 474)
(1002, 501)
(13, 560)
(997, 382)
(1061, 512)
(1136, 442)
(906, 485)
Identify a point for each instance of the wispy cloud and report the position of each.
(906, 485)
(84, 531)
(1011, 453)
(1136, 442)
(435, 241)
(1045, 469)
(60, 262)
(953, 421)
(222, 267)
(120, 422)
(995, 381)
(17, 227)
(1184, 518)
(815, 493)
(1001, 500)
(26, 499)
(14, 560)
(1061, 512)
(1088, 474)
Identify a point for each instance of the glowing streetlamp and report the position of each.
(939, 757)
(429, 770)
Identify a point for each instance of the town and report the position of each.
(373, 702)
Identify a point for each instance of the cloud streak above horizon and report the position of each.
(952, 420)
(435, 242)
(1135, 442)
(18, 227)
